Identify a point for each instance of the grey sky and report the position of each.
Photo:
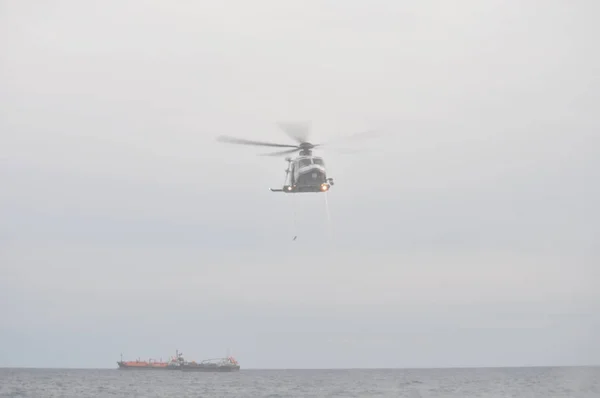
(466, 236)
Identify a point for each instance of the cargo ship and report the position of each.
(228, 364)
(174, 363)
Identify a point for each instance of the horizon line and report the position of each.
(341, 368)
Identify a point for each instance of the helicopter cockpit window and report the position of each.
(318, 161)
(304, 162)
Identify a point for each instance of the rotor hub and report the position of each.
(306, 148)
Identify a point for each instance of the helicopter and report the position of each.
(304, 173)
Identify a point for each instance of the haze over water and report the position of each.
(467, 235)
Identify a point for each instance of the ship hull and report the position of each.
(210, 368)
(228, 364)
(124, 366)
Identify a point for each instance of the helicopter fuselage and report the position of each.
(306, 173)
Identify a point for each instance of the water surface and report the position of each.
(413, 383)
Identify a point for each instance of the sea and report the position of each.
(557, 382)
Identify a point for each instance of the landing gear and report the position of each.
(324, 187)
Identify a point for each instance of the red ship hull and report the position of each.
(174, 364)
(145, 365)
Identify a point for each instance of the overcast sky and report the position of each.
(466, 235)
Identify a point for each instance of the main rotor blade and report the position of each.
(232, 140)
(298, 131)
(355, 136)
(281, 152)
(347, 151)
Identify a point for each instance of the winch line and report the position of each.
(329, 224)
(295, 226)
